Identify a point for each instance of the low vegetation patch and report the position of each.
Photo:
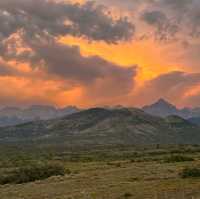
(128, 195)
(32, 173)
(178, 158)
(190, 173)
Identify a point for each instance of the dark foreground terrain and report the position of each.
(116, 173)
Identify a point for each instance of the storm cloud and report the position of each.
(165, 29)
(29, 34)
(60, 46)
(174, 86)
(66, 62)
(59, 19)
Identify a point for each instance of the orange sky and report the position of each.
(157, 63)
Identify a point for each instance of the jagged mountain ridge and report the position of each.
(162, 108)
(12, 115)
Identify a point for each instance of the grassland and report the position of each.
(116, 173)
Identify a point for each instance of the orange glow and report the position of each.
(35, 84)
(192, 91)
(146, 55)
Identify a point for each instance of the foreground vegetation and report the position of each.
(115, 173)
(32, 173)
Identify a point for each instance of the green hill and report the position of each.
(104, 127)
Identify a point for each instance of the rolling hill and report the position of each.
(103, 127)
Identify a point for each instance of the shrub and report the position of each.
(190, 173)
(127, 195)
(178, 158)
(116, 164)
(32, 173)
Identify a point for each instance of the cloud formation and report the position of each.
(164, 33)
(29, 34)
(175, 86)
(165, 29)
(59, 18)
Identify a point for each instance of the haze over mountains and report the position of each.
(162, 108)
(159, 123)
(10, 116)
(13, 115)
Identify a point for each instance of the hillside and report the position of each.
(195, 120)
(103, 127)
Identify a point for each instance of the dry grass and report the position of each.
(140, 180)
(118, 175)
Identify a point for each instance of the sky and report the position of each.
(99, 52)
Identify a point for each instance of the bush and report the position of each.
(116, 164)
(32, 173)
(178, 158)
(190, 173)
(127, 195)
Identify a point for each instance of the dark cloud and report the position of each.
(186, 12)
(175, 81)
(165, 28)
(30, 29)
(58, 19)
(29, 32)
(177, 4)
(173, 86)
(130, 5)
(59, 61)
(68, 63)
(172, 19)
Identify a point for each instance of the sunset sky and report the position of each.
(100, 52)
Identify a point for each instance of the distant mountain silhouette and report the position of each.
(195, 120)
(163, 108)
(12, 115)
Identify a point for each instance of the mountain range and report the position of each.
(10, 116)
(103, 127)
(162, 108)
(159, 123)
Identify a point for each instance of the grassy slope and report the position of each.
(101, 127)
(113, 179)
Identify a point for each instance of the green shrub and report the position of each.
(190, 173)
(116, 164)
(128, 195)
(32, 173)
(178, 158)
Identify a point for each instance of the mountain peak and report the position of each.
(163, 102)
(161, 108)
